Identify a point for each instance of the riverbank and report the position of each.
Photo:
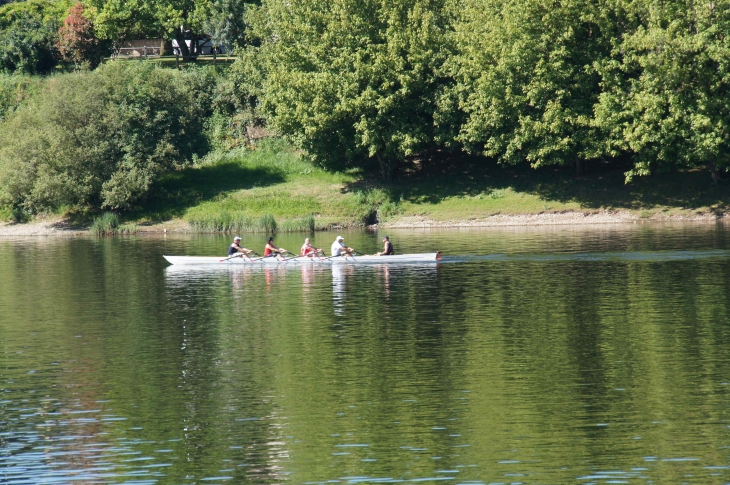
(272, 187)
(61, 227)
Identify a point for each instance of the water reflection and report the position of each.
(340, 273)
(590, 357)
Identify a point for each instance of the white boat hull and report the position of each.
(244, 261)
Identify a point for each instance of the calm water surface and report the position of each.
(542, 356)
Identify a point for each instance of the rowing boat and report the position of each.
(243, 260)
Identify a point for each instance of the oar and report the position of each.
(295, 257)
(239, 255)
(324, 256)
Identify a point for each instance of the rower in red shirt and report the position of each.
(271, 250)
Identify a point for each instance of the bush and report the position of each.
(106, 224)
(100, 139)
(28, 34)
(267, 223)
(77, 43)
(304, 224)
(14, 90)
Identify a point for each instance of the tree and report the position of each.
(100, 139)
(225, 23)
(118, 20)
(525, 85)
(28, 35)
(351, 82)
(77, 42)
(667, 85)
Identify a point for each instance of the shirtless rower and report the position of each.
(308, 249)
(387, 248)
(236, 248)
(272, 251)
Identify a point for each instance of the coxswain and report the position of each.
(236, 248)
(387, 248)
(308, 249)
(271, 250)
(339, 249)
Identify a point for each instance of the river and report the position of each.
(594, 354)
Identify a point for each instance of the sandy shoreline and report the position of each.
(59, 227)
(555, 218)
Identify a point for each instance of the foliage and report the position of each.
(14, 90)
(77, 42)
(350, 82)
(26, 40)
(667, 85)
(118, 20)
(225, 23)
(28, 34)
(520, 81)
(525, 86)
(105, 224)
(101, 139)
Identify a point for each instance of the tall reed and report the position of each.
(268, 223)
(225, 221)
(304, 224)
(106, 224)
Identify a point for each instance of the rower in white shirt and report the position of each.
(339, 249)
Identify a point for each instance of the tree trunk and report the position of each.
(388, 168)
(181, 44)
(579, 167)
(715, 173)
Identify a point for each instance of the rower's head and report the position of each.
(271, 239)
(236, 239)
(306, 241)
(340, 238)
(385, 238)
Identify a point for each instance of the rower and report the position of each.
(271, 250)
(387, 248)
(339, 249)
(308, 249)
(236, 248)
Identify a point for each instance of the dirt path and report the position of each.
(552, 218)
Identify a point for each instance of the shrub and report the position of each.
(100, 139)
(28, 35)
(128, 229)
(303, 224)
(267, 223)
(14, 90)
(77, 42)
(106, 224)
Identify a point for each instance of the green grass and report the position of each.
(471, 188)
(262, 190)
(106, 224)
(273, 188)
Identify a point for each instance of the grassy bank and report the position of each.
(263, 190)
(273, 188)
